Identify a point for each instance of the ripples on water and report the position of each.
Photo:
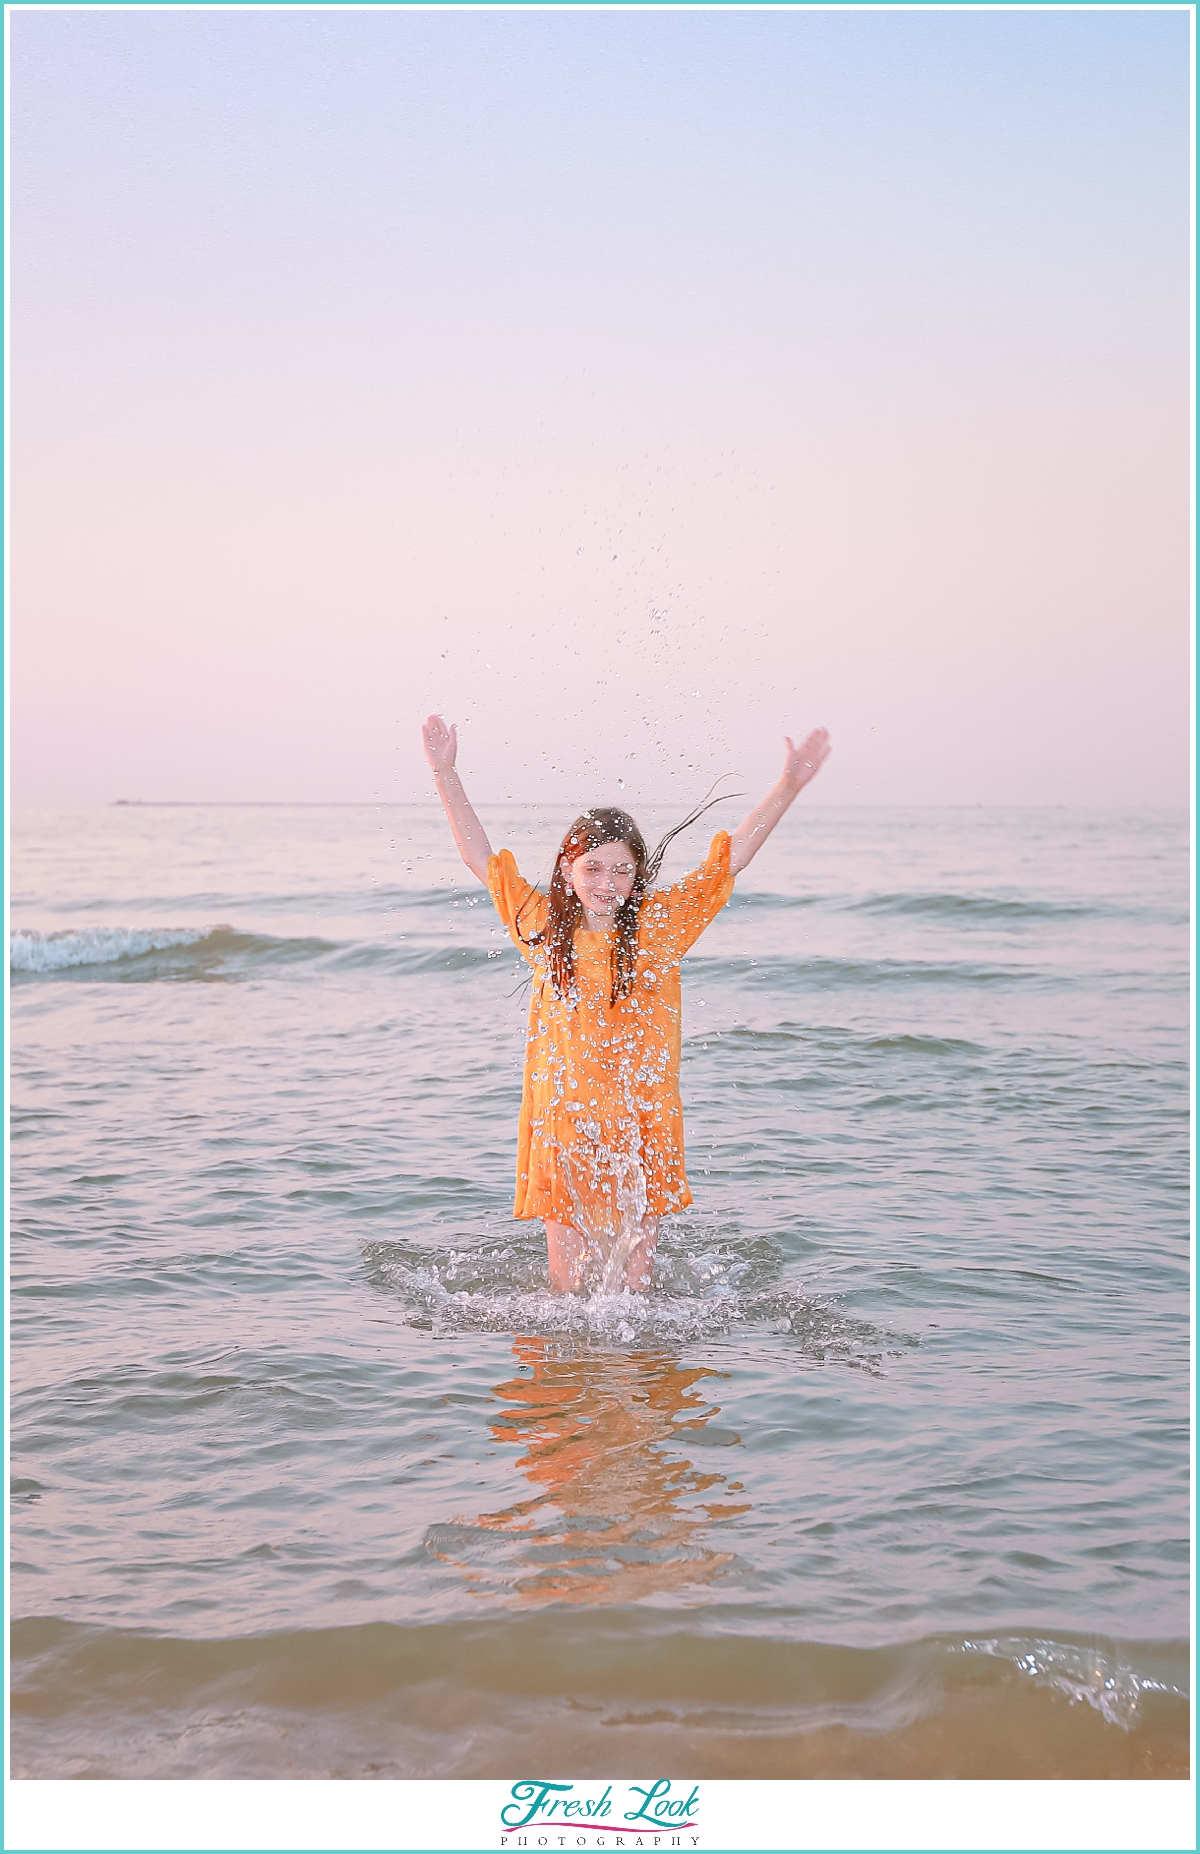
(312, 1476)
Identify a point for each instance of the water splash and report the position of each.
(709, 1283)
(608, 1192)
(1085, 1675)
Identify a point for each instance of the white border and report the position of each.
(734, 1816)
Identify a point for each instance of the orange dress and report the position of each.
(600, 1138)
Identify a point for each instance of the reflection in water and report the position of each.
(616, 1513)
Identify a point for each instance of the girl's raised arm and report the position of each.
(799, 766)
(441, 750)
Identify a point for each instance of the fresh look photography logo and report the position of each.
(626, 1816)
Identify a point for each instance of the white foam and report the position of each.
(1111, 1688)
(94, 946)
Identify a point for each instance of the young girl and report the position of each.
(600, 1142)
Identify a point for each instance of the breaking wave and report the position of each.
(148, 952)
(124, 1703)
(1091, 1676)
(95, 946)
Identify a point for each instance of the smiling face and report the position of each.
(603, 879)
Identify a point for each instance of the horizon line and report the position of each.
(433, 804)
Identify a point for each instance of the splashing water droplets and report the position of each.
(723, 1287)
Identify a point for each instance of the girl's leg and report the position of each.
(641, 1256)
(564, 1251)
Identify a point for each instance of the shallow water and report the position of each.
(887, 1474)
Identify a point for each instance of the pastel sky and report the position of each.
(631, 386)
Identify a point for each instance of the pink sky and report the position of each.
(631, 387)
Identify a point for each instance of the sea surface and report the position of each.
(886, 1476)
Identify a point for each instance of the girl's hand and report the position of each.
(441, 743)
(800, 764)
(441, 746)
(803, 763)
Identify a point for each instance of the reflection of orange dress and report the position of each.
(601, 1129)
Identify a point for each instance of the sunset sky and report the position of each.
(631, 386)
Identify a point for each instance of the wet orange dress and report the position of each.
(601, 1130)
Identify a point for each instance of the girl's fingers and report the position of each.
(811, 755)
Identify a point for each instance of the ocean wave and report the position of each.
(740, 1040)
(1088, 1675)
(417, 957)
(791, 1672)
(977, 907)
(148, 952)
(95, 1701)
(824, 973)
(95, 946)
(946, 905)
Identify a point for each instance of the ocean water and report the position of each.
(885, 1477)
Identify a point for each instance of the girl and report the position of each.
(600, 1142)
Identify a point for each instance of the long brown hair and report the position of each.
(603, 824)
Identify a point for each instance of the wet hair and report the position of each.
(602, 824)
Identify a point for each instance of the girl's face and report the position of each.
(602, 878)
